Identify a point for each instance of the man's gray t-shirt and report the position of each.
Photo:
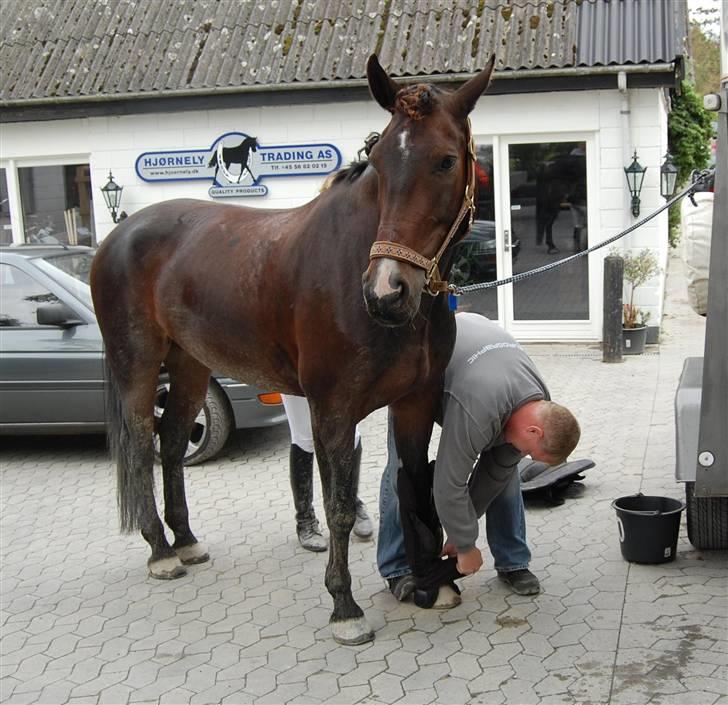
(488, 377)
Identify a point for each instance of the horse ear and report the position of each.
(465, 97)
(382, 87)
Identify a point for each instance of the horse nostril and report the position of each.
(400, 286)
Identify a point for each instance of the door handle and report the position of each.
(507, 240)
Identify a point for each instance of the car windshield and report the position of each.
(71, 270)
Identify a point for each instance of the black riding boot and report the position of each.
(307, 526)
(363, 527)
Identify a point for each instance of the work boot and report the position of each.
(307, 526)
(402, 586)
(522, 582)
(363, 527)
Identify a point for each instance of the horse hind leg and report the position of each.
(187, 389)
(130, 426)
(335, 455)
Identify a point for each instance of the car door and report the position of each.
(49, 375)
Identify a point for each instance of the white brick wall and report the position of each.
(115, 143)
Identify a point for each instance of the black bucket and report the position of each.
(648, 527)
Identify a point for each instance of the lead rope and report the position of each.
(454, 290)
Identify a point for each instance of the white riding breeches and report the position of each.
(299, 421)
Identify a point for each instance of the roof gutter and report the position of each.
(577, 71)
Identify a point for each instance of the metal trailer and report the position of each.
(701, 400)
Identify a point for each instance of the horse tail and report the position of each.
(129, 475)
(213, 160)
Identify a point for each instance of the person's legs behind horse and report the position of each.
(301, 477)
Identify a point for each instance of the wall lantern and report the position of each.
(635, 174)
(112, 196)
(668, 177)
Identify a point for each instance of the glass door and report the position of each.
(546, 221)
(476, 256)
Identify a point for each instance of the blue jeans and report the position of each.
(505, 523)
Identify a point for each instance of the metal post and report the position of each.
(612, 325)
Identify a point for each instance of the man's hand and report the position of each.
(449, 550)
(470, 562)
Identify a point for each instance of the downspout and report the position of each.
(625, 119)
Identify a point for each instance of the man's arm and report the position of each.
(460, 444)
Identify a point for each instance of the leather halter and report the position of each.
(392, 250)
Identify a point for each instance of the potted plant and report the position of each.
(638, 268)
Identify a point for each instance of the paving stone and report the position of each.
(349, 695)
(386, 688)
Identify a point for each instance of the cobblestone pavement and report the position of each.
(82, 622)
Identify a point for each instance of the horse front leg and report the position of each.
(411, 420)
(334, 444)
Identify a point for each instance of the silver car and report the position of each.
(52, 363)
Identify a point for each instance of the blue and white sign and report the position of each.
(236, 163)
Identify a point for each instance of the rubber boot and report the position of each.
(307, 526)
(363, 527)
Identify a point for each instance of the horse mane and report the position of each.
(348, 174)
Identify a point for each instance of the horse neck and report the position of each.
(356, 203)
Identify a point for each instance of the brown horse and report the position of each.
(274, 298)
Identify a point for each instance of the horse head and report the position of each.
(424, 163)
(252, 142)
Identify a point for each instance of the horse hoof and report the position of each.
(424, 599)
(192, 554)
(167, 568)
(352, 631)
(447, 598)
(443, 598)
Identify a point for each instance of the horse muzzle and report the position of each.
(391, 292)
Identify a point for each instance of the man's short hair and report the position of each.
(561, 431)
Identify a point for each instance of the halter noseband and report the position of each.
(433, 283)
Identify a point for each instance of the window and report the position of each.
(21, 297)
(57, 204)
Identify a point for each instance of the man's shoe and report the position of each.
(363, 527)
(522, 582)
(310, 536)
(402, 586)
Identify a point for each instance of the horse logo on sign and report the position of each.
(224, 157)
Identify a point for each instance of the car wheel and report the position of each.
(211, 427)
(707, 519)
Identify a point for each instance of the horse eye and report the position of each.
(448, 163)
